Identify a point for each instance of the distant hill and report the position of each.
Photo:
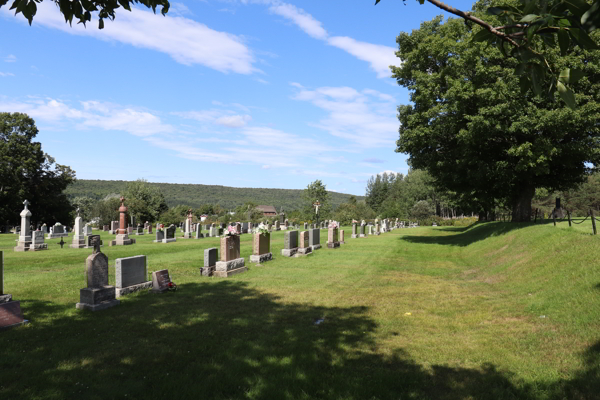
(196, 195)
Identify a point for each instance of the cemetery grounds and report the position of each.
(491, 311)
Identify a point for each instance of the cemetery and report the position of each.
(385, 203)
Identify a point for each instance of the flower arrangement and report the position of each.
(333, 224)
(262, 229)
(172, 286)
(160, 228)
(229, 231)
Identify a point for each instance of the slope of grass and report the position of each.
(493, 311)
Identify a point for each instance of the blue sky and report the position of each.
(238, 93)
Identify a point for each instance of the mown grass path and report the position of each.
(495, 311)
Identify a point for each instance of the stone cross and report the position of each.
(78, 211)
(95, 241)
(26, 203)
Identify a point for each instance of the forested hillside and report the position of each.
(197, 195)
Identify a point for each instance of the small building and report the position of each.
(268, 211)
(203, 217)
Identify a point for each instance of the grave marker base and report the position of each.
(289, 252)
(207, 271)
(261, 258)
(354, 236)
(168, 240)
(225, 269)
(10, 315)
(5, 298)
(303, 251)
(133, 288)
(122, 240)
(97, 307)
(333, 245)
(315, 247)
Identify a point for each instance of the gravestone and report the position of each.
(78, 238)
(37, 241)
(214, 231)
(98, 295)
(130, 275)
(160, 235)
(132, 224)
(290, 247)
(238, 228)
(210, 261)
(149, 229)
(114, 227)
(105, 228)
(199, 234)
(123, 238)
(44, 229)
(369, 229)
(261, 249)
(89, 241)
(161, 279)
(342, 237)
(188, 229)
(276, 227)
(87, 230)
(130, 230)
(245, 227)
(362, 231)
(139, 230)
(332, 238)
(354, 231)
(314, 238)
(170, 234)
(231, 263)
(24, 242)
(376, 230)
(10, 311)
(305, 226)
(303, 243)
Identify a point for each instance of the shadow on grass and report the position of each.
(226, 340)
(469, 234)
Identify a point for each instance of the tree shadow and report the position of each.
(223, 340)
(586, 383)
(480, 231)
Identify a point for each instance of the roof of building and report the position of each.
(267, 209)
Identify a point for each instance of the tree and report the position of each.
(144, 201)
(107, 209)
(26, 172)
(83, 9)
(476, 134)
(174, 215)
(86, 206)
(528, 29)
(313, 192)
(421, 210)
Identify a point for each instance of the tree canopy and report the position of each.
(316, 191)
(473, 130)
(26, 172)
(529, 30)
(82, 9)
(144, 201)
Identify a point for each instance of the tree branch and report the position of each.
(478, 21)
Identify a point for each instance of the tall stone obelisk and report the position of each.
(122, 238)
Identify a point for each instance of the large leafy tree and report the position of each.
(529, 30)
(144, 201)
(477, 134)
(26, 172)
(82, 10)
(316, 191)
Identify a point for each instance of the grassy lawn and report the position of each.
(493, 311)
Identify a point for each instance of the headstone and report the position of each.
(87, 230)
(133, 221)
(245, 227)
(342, 237)
(305, 226)
(90, 241)
(160, 235)
(114, 227)
(105, 228)
(188, 231)
(44, 229)
(131, 275)
(377, 231)
(214, 231)
(231, 263)
(332, 238)
(78, 238)
(210, 261)
(161, 279)
(314, 238)
(261, 249)
(238, 228)
(303, 243)
(354, 231)
(149, 229)
(123, 238)
(170, 234)
(362, 231)
(37, 241)
(10, 311)
(199, 234)
(24, 241)
(98, 295)
(369, 229)
(290, 244)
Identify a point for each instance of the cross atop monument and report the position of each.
(122, 201)
(78, 209)
(316, 204)
(26, 203)
(95, 241)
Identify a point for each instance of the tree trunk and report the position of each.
(521, 210)
(482, 216)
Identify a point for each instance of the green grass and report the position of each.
(425, 313)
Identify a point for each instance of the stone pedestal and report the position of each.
(303, 251)
(24, 241)
(95, 299)
(333, 245)
(261, 258)
(122, 240)
(225, 269)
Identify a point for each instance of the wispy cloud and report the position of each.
(11, 57)
(373, 161)
(5, 74)
(188, 42)
(378, 56)
(359, 117)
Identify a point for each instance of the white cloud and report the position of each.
(233, 121)
(11, 57)
(302, 19)
(362, 118)
(379, 57)
(106, 116)
(5, 74)
(188, 42)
